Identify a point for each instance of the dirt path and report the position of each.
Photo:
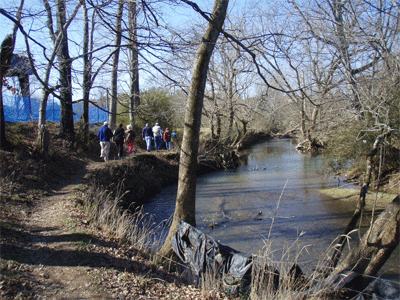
(55, 253)
(60, 264)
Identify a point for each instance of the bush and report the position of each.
(350, 145)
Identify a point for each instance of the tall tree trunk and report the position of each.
(87, 70)
(303, 127)
(244, 123)
(314, 119)
(343, 49)
(238, 135)
(114, 71)
(23, 80)
(66, 114)
(231, 108)
(7, 48)
(134, 99)
(42, 141)
(185, 200)
(212, 114)
(45, 89)
(219, 124)
(3, 139)
(6, 52)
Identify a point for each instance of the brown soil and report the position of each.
(49, 250)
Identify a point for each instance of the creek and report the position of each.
(271, 201)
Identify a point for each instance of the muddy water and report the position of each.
(272, 197)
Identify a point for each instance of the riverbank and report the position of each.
(51, 246)
(54, 245)
(373, 200)
(145, 174)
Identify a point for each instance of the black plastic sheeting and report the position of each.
(203, 254)
(380, 289)
(348, 283)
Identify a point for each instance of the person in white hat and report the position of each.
(157, 133)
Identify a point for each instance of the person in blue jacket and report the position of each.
(147, 135)
(105, 134)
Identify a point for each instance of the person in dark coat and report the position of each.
(119, 139)
(105, 134)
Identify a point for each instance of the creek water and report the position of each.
(271, 202)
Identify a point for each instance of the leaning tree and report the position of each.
(185, 208)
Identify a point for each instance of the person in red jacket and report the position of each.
(167, 138)
(130, 138)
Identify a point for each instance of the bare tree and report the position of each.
(6, 52)
(213, 113)
(87, 70)
(359, 33)
(134, 99)
(65, 66)
(228, 70)
(185, 201)
(114, 71)
(7, 48)
(60, 50)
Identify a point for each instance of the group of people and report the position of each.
(121, 136)
(155, 133)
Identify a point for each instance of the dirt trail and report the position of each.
(56, 252)
(60, 268)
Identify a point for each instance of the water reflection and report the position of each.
(276, 186)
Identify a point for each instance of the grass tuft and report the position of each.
(135, 228)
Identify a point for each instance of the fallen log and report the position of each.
(287, 134)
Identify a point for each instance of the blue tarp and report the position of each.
(20, 109)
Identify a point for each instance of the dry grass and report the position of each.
(275, 277)
(271, 275)
(22, 172)
(135, 228)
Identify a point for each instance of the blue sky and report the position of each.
(176, 16)
(179, 16)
